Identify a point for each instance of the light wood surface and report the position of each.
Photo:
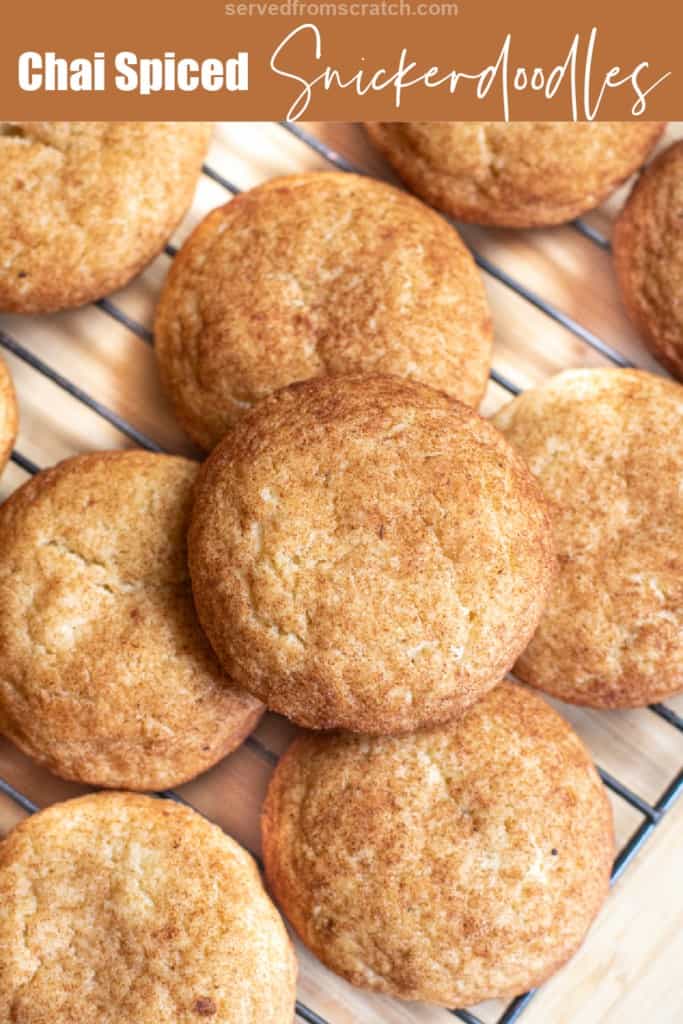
(629, 970)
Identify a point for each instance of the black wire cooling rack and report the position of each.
(651, 813)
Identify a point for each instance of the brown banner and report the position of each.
(242, 60)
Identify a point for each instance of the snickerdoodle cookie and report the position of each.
(84, 206)
(607, 448)
(124, 909)
(317, 274)
(9, 415)
(519, 174)
(648, 256)
(105, 675)
(452, 865)
(367, 553)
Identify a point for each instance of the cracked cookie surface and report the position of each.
(317, 274)
(124, 909)
(85, 206)
(607, 449)
(519, 174)
(367, 553)
(648, 256)
(452, 865)
(105, 674)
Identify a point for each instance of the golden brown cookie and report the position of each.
(9, 415)
(317, 274)
(648, 257)
(520, 174)
(367, 553)
(105, 675)
(452, 865)
(84, 206)
(124, 909)
(607, 448)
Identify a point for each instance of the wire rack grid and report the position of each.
(650, 812)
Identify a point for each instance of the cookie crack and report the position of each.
(65, 549)
(113, 584)
(268, 623)
(11, 130)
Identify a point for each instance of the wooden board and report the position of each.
(629, 969)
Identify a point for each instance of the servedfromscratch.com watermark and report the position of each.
(304, 9)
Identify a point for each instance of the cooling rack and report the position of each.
(515, 268)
